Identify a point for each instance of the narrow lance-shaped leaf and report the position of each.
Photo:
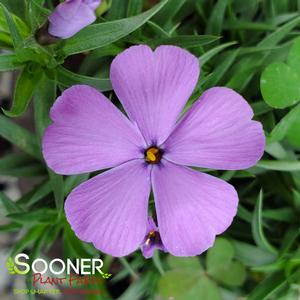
(44, 98)
(257, 227)
(67, 78)
(19, 136)
(281, 129)
(215, 21)
(15, 34)
(214, 51)
(99, 35)
(27, 82)
(185, 41)
(9, 62)
(8, 205)
(279, 165)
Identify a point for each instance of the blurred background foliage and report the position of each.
(250, 46)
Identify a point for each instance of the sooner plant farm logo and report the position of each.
(84, 266)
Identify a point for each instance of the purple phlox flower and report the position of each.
(152, 240)
(152, 149)
(71, 16)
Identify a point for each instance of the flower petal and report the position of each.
(70, 17)
(154, 86)
(217, 132)
(110, 210)
(152, 240)
(89, 133)
(93, 4)
(192, 208)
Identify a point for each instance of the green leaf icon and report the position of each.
(10, 266)
(106, 275)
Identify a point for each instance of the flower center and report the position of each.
(153, 155)
(152, 236)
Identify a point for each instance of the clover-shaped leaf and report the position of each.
(182, 284)
(190, 263)
(221, 264)
(280, 82)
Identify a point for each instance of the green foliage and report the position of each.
(89, 38)
(250, 46)
(280, 81)
(187, 279)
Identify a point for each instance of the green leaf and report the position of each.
(30, 237)
(205, 289)
(279, 165)
(185, 41)
(44, 98)
(189, 263)
(177, 284)
(221, 69)
(284, 214)
(134, 7)
(117, 9)
(257, 228)
(73, 181)
(293, 130)
(89, 38)
(8, 205)
(11, 227)
(38, 193)
(165, 17)
(17, 7)
(9, 62)
(27, 82)
(214, 51)
(215, 22)
(186, 285)
(282, 128)
(275, 37)
(14, 31)
(245, 25)
(21, 26)
(57, 185)
(219, 261)
(20, 137)
(280, 85)
(67, 78)
(252, 256)
(268, 287)
(248, 67)
(20, 165)
(73, 246)
(158, 30)
(109, 50)
(219, 256)
(235, 274)
(41, 215)
(37, 14)
(158, 262)
(293, 59)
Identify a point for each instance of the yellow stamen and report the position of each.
(151, 235)
(153, 155)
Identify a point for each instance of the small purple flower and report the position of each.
(71, 16)
(152, 240)
(152, 149)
